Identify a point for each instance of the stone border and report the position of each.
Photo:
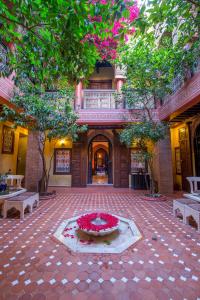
(86, 249)
(10, 195)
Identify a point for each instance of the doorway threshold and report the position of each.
(99, 184)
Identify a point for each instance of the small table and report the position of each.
(194, 211)
(180, 205)
(20, 202)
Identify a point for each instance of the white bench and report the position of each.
(180, 206)
(14, 180)
(21, 202)
(194, 191)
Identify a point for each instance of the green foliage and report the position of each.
(166, 43)
(49, 114)
(143, 132)
(176, 21)
(3, 177)
(150, 70)
(42, 111)
(48, 36)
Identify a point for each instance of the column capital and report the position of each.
(120, 72)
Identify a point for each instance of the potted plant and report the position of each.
(3, 185)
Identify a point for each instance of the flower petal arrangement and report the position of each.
(87, 223)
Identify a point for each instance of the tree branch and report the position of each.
(193, 2)
(25, 27)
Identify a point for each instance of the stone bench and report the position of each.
(193, 210)
(180, 205)
(21, 202)
(193, 181)
(14, 180)
(194, 194)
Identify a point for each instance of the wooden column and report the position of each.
(163, 166)
(79, 162)
(185, 152)
(121, 163)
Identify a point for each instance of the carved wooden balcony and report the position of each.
(99, 99)
(6, 88)
(187, 96)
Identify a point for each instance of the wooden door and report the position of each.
(121, 164)
(21, 155)
(100, 84)
(110, 159)
(186, 167)
(90, 163)
(197, 150)
(79, 163)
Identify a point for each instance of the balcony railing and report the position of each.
(99, 99)
(178, 82)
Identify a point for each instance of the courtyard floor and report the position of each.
(34, 265)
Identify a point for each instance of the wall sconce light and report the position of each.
(62, 142)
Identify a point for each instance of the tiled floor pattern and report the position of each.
(34, 265)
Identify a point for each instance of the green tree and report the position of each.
(165, 45)
(146, 133)
(49, 114)
(150, 71)
(60, 38)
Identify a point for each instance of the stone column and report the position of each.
(163, 166)
(120, 77)
(119, 84)
(78, 94)
(33, 171)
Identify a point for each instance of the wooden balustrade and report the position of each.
(99, 99)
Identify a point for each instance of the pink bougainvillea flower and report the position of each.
(95, 18)
(117, 26)
(132, 30)
(107, 47)
(126, 38)
(133, 12)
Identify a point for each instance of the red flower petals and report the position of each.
(85, 222)
(67, 234)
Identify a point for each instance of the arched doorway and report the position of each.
(197, 150)
(100, 160)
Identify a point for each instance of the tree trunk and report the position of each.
(153, 187)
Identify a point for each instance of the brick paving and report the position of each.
(34, 265)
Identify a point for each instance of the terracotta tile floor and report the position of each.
(34, 265)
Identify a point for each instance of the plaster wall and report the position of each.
(57, 180)
(174, 132)
(9, 161)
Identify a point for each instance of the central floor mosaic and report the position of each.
(34, 265)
